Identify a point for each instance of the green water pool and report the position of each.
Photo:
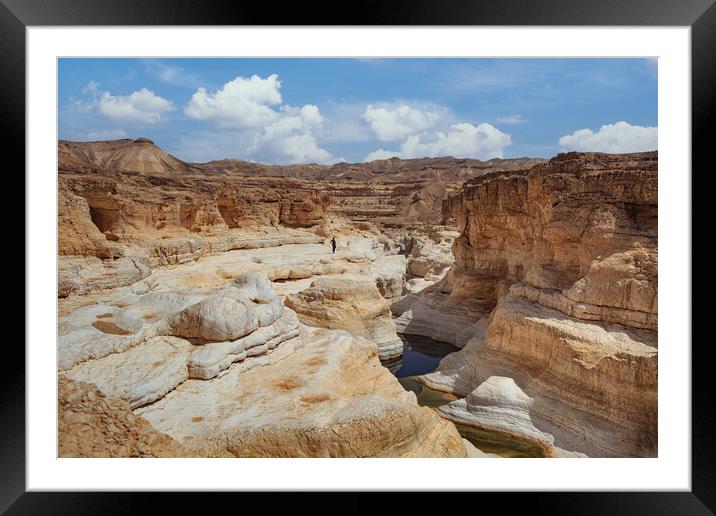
(486, 441)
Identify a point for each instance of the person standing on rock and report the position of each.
(333, 244)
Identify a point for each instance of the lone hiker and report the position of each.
(333, 244)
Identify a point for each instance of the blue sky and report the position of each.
(328, 110)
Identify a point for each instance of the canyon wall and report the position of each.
(127, 206)
(566, 253)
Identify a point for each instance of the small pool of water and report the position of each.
(427, 397)
(421, 355)
(500, 444)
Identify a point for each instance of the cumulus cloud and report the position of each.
(290, 138)
(241, 103)
(462, 140)
(267, 130)
(614, 138)
(142, 106)
(392, 123)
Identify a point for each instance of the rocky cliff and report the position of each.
(126, 206)
(566, 253)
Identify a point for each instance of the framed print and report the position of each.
(325, 257)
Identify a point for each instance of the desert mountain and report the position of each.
(142, 155)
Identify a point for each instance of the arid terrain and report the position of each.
(202, 312)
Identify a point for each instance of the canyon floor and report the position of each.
(203, 313)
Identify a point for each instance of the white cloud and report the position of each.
(142, 106)
(241, 103)
(290, 138)
(462, 140)
(303, 148)
(615, 138)
(511, 119)
(265, 129)
(91, 88)
(381, 154)
(392, 123)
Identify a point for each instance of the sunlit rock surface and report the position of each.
(568, 252)
(354, 306)
(172, 280)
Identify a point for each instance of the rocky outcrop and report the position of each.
(498, 404)
(82, 274)
(141, 375)
(214, 357)
(230, 371)
(568, 253)
(389, 274)
(430, 256)
(90, 425)
(567, 225)
(351, 305)
(329, 397)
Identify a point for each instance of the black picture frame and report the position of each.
(700, 15)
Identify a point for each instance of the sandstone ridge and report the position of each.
(566, 253)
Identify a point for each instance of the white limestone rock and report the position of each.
(498, 404)
(266, 304)
(141, 375)
(209, 360)
(223, 316)
(389, 274)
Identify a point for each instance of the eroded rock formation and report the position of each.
(173, 276)
(351, 305)
(567, 252)
(230, 371)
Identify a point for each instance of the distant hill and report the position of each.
(142, 155)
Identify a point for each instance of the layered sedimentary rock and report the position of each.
(351, 305)
(230, 371)
(568, 253)
(126, 206)
(328, 398)
(498, 404)
(393, 169)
